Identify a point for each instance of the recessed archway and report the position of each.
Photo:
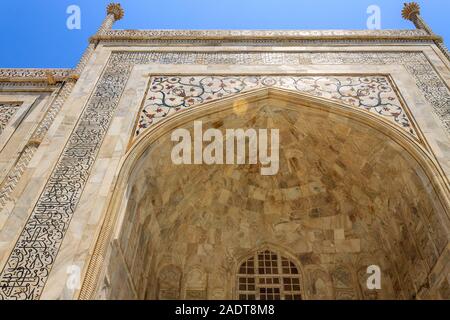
(352, 191)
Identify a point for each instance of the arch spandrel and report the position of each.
(321, 222)
(375, 94)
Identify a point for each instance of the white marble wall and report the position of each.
(80, 239)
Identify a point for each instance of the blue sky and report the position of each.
(33, 33)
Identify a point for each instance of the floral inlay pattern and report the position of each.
(7, 110)
(170, 94)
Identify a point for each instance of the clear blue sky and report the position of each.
(33, 33)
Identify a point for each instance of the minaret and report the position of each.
(114, 12)
(411, 11)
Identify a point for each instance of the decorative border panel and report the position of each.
(32, 74)
(170, 94)
(7, 111)
(261, 35)
(28, 267)
(199, 34)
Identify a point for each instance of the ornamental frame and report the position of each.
(171, 87)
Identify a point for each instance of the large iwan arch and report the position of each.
(353, 190)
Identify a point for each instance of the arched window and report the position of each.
(268, 276)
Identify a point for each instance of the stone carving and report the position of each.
(344, 288)
(195, 294)
(169, 282)
(319, 284)
(14, 175)
(52, 112)
(116, 10)
(410, 10)
(31, 260)
(218, 294)
(342, 277)
(34, 74)
(24, 85)
(196, 278)
(7, 110)
(170, 275)
(218, 285)
(260, 34)
(195, 286)
(170, 94)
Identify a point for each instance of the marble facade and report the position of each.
(364, 120)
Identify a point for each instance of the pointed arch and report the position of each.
(112, 223)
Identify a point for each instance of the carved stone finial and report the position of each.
(50, 78)
(410, 10)
(73, 77)
(116, 10)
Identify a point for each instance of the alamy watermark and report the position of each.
(374, 279)
(230, 148)
(73, 21)
(74, 277)
(374, 19)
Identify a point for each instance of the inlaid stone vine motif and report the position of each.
(28, 266)
(7, 110)
(170, 94)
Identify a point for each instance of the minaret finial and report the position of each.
(116, 10)
(410, 10)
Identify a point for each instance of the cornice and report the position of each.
(50, 76)
(280, 35)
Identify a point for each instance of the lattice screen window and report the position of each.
(268, 276)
